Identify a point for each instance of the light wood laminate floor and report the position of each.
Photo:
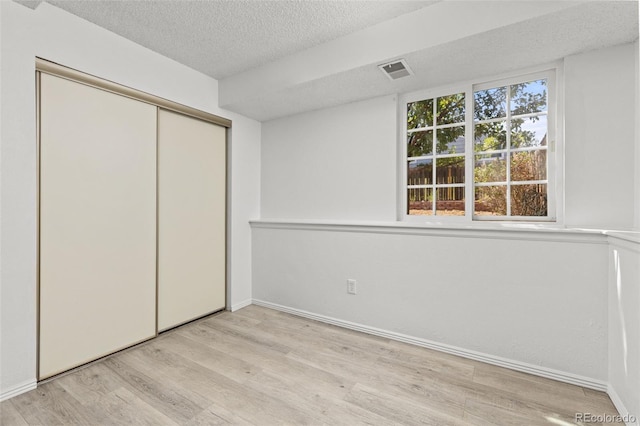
(263, 367)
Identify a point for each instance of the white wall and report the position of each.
(17, 208)
(531, 302)
(600, 116)
(339, 163)
(637, 138)
(58, 36)
(451, 289)
(335, 163)
(624, 324)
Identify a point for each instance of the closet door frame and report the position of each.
(52, 68)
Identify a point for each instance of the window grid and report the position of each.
(437, 189)
(509, 149)
(542, 173)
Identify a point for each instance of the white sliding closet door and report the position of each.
(97, 223)
(191, 218)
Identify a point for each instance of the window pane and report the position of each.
(420, 143)
(450, 170)
(420, 172)
(450, 201)
(531, 131)
(420, 114)
(451, 109)
(529, 97)
(420, 201)
(490, 103)
(490, 201)
(529, 165)
(529, 200)
(490, 168)
(490, 136)
(450, 140)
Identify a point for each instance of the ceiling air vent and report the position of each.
(396, 69)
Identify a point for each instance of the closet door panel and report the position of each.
(191, 218)
(97, 223)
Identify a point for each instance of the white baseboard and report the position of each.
(628, 418)
(17, 390)
(478, 356)
(241, 305)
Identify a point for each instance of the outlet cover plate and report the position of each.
(351, 286)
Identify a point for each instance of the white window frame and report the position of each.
(555, 155)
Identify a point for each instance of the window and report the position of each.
(435, 154)
(482, 152)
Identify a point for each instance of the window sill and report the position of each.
(509, 231)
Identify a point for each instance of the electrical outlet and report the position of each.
(351, 286)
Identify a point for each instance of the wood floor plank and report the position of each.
(231, 344)
(601, 399)
(305, 385)
(239, 320)
(210, 417)
(500, 407)
(9, 415)
(261, 367)
(561, 397)
(246, 334)
(477, 392)
(345, 413)
(260, 313)
(309, 399)
(186, 378)
(425, 366)
(485, 413)
(373, 376)
(91, 383)
(397, 409)
(327, 334)
(155, 392)
(50, 404)
(298, 331)
(208, 357)
(123, 407)
(508, 379)
(182, 374)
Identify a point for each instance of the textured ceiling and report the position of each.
(484, 56)
(222, 38)
(281, 57)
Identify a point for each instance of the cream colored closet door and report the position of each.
(97, 223)
(191, 218)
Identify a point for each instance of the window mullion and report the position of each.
(434, 198)
(508, 152)
(470, 192)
